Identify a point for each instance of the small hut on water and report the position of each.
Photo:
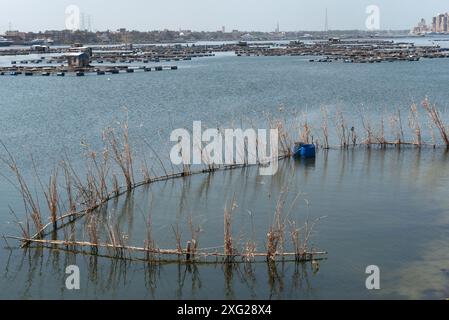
(79, 57)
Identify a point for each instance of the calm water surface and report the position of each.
(387, 208)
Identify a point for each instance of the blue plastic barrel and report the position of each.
(304, 151)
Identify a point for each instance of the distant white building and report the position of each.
(421, 28)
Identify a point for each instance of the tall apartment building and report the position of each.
(440, 23)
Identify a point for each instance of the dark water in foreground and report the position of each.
(387, 208)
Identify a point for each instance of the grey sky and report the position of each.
(33, 15)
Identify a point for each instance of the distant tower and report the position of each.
(223, 29)
(277, 27)
(326, 23)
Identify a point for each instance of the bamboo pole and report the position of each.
(188, 251)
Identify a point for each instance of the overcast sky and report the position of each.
(34, 15)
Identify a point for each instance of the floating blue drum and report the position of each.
(304, 150)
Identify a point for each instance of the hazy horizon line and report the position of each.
(193, 30)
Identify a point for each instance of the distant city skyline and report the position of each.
(207, 15)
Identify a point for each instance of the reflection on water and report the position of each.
(382, 207)
(115, 278)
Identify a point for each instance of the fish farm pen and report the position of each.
(62, 71)
(350, 51)
(77, 59)
(119, 52)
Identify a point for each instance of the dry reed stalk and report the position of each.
(401, 128)
(195, 233)
(117, 240)
(272, 243)
(100, 172)
(31, 205)
(149, 243)
(52, 199)
(436, 118)
(25, 229)
(115, 184)
(161, 163)
(414, 124)
(284, 139)
(325, 127)
(249, 250)
(276, 234)
(307, 232)
(92, 230)
(68, 186)
(396, 127)
(178, 236)
(342, 129)
(294, 235)
(145, 171)
(381, 139)
(369, 131)
(122, 154)
(229, 249)
(305, 132)
(50, 192)
(432, 134)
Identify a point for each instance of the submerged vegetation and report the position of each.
(71, 194)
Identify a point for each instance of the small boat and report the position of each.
(45, 74)
(79, 74)
(60, 74)
(101, 72)
(28, 73)
(302, 150)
